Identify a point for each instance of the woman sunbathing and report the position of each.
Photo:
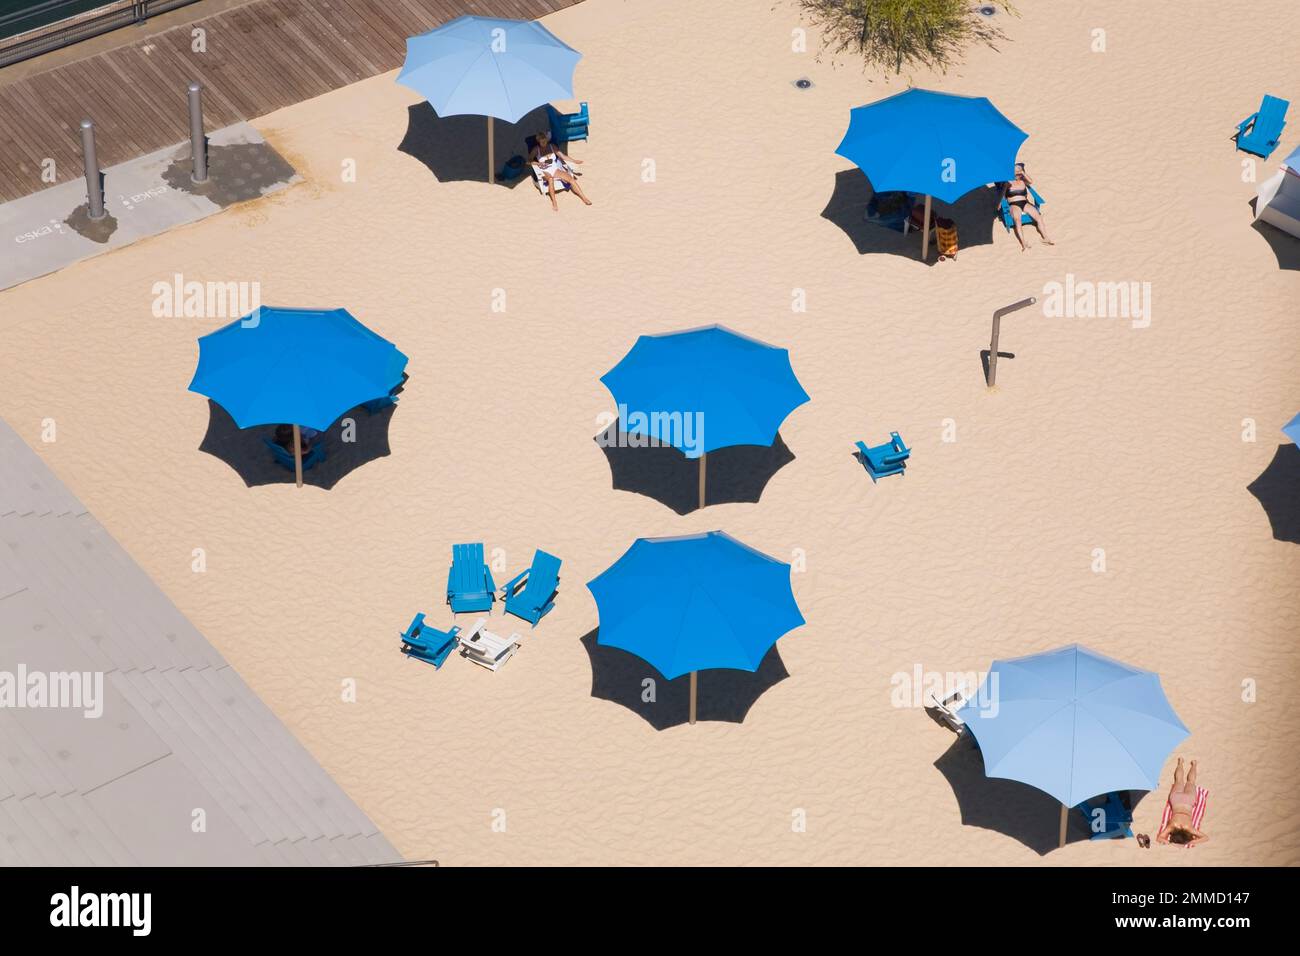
(1021, 201)
(554, 165)
(1182, 800)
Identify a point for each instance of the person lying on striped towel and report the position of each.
(1184, 810)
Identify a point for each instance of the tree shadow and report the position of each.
(738, 474)
(454, 148)
(1278, 490)
(974, 213)
(245, 451)
(1010, 807)
(721, 695)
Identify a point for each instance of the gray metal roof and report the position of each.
(179, 733)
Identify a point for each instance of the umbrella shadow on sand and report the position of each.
(245, 451)
(1010, 807)
(722, 695)
(1278, 491)
(660, 471)
(454, 148)
(974, 213)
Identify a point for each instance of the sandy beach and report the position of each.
(710, 172)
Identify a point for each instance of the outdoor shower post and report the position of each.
(198, 142)
(94, 189)
(997, 331)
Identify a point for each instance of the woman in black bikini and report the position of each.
(1021, 200)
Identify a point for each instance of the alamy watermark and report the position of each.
(684, 430)
(205, 300)
(69, 690)
(1085, 299)
(922, 688)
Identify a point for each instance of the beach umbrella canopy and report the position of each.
(1292, 428)
(295, 366)
(704, 389)
(694, 603)
(489, 67)
(938, 144)
(1074, 724)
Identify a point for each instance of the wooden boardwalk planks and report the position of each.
(260, 56)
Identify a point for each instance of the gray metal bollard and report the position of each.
(94, 189)
(198, 142)
(997, 331)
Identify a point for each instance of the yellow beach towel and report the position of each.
(946, 230)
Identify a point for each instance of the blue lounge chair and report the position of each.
(538, 596)
(285, 458)
(429, 644)
(1260, 132)
(1116, 818)
(469, 582)
(1024, 216)
(887, 459)
(568, 127)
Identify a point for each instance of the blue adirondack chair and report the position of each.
(887, 459)
(1260, 132)
(538, 596)
(568, 127)
(469, 581)
(1116, 818)
(1005, 208)
(429, 644)
(285, 458)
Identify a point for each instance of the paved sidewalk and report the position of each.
(46, 231)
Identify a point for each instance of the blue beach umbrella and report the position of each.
(1074, 724)
(938, 144)
(298, 366)
(1292, 428)
(695, 603)
(704, 389)
(485, 66)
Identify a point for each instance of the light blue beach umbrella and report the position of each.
(704, 389)
(1073, 723)
(693, 603)
(1292, 428)
(938, 144)
(295, 366)
(490, 67)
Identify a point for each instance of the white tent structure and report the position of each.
(1279, 197)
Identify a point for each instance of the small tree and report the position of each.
(891, 33)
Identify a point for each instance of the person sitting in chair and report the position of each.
(1021, 203)
(554, 165)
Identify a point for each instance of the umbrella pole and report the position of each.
(925, 231)
(702, 474)
(492, 166)
(297, 454)
(694, 685)
(1065, 822)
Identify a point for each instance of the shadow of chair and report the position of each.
(975, 214)
(736, 474)
(721, 695)
(245, 451)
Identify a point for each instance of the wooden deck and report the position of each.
(260, 57)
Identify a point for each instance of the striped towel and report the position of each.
(1198, 810)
